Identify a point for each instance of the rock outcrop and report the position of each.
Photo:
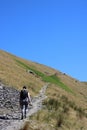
(9, 104)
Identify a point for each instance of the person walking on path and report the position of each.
(25, 99)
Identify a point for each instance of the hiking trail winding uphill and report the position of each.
(12, 120)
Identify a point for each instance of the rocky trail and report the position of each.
(9, 107)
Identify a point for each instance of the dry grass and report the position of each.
(62, 111)
(27, 126)
(16, 76)
(69, 115)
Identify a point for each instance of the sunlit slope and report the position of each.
(66, 103)
(16, 72)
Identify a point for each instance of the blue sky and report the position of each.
(50, 32)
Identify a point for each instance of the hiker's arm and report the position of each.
(29, 98)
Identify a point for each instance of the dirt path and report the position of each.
(37, 105)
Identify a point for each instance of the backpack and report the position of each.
(23, 94)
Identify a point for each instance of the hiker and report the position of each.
(25, 99)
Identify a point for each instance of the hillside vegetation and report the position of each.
(66, 105)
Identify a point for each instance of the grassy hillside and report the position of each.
(67, 97)
(16, 72)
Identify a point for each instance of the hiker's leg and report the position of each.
(26, 106)
(22, 115)
(25, 111)
(22, 111)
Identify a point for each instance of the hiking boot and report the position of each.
(21, 117)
